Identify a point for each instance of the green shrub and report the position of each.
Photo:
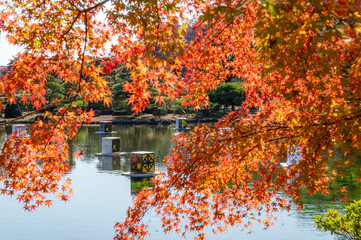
(347, 225)
(228, 94)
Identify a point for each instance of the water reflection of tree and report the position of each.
(156, 139)
(2, 134)
(147, 138)
(87, 141)
(347, 177)
(137, 184)
(318, 204)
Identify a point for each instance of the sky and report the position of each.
(7, 51)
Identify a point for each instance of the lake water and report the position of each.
(102, 196)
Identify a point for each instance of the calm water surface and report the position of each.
(102, 196)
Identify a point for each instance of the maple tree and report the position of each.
(300, 62)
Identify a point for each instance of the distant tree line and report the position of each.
(228, 94)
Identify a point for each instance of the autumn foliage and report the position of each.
(300, 64)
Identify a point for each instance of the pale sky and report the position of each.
(7, 51)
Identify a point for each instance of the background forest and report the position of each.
(226, 97)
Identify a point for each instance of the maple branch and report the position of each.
(72, 24)
(190, 168)
(82, 11)
(58, 122)
(156, 5)
(85, 45)
(95, 6)
(72, 4)
(357, 115)
(82, 61)
(279, 127)
(84, 49)
(221, 31)
(79, 83)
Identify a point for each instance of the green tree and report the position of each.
(55, 89)
(228, 94)
(116, 79)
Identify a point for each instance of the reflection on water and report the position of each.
(132, 138)
(2, 134)
(102, 196)
(137, 184)
(111, 163)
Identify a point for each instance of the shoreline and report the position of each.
(143, 119)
